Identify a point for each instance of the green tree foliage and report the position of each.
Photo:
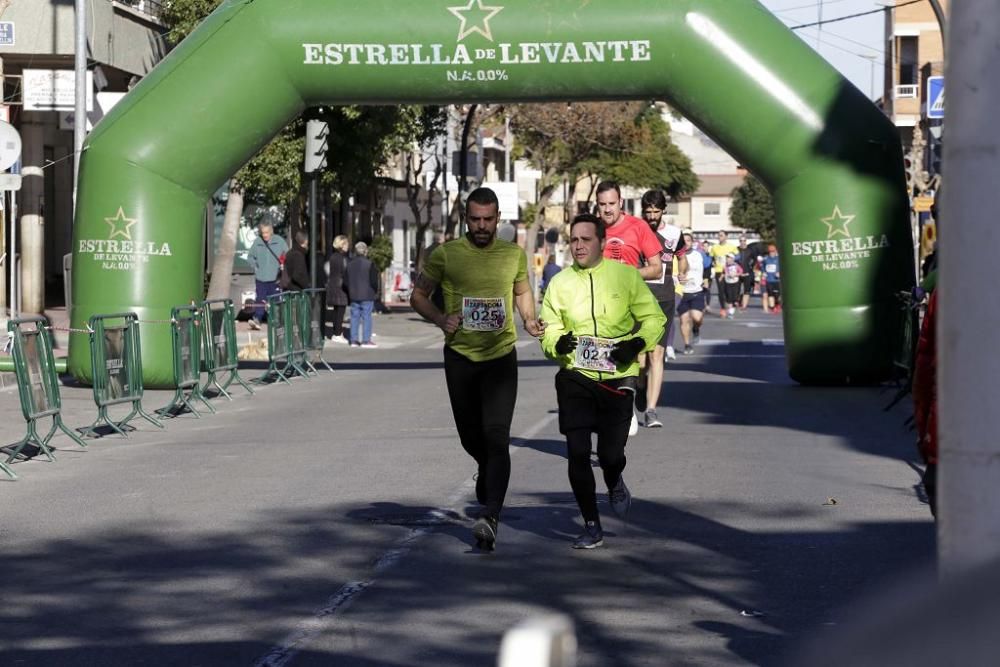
(646, 158)
(753, 209)
(625, 141)
(380, 252)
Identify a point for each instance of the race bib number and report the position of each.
(771, 268)
(483, 314)
(593, 354)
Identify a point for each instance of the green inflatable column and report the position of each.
(832, 159)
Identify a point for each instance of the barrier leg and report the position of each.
(58, 422)
(138, 411)
(213, 381)
(176, 406)
(102, 416)
(196, 393)
(33, 438)
(234, 375)
(10, 473)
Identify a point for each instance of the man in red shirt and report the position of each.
(629, 239)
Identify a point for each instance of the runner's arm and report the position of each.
(648, 314)
(420, 300)
(653, 269)
(554, 325)
(524, 299)
(650, 246)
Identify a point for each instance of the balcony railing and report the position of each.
(908, 90)
(151, 8)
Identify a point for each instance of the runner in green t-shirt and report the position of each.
(482, 279)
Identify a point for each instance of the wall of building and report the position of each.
(118, 35)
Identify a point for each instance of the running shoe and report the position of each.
(671, 354)
(485, 532)
(688, 350)
(340, 340)
(353, 344)
(254, 324)
(633, 428)
(651, 420)
(592, 537)
(369, 344)
(696, 336)
(621, 499)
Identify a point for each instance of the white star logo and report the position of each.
(120, 225)
(837, 223)
(480, 21)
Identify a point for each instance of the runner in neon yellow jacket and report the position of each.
(604, 300)
(595, 387)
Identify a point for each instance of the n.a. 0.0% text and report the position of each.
(478, 75)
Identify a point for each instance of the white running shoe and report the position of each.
(671, 355)
(633, 428)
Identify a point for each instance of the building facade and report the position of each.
(37, 47)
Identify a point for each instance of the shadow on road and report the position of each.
(673, 577)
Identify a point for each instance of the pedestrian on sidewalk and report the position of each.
(266, 255)
(482, 279)
(297, 263)
(336, 288)
(590, 311)
(362, 290)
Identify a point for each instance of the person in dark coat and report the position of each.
(297, 264)
(336, 288)
(362, 290)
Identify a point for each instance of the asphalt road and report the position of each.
(327, 523)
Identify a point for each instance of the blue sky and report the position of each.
(844, 44)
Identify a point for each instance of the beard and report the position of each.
(481, 239)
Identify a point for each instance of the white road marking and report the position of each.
(775, 342)
(284, 652)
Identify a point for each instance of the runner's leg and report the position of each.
(497, 381)
(581, 474)
(466, 405)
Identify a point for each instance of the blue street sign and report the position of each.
(935, 97)
(6, 33)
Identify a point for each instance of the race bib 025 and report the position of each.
(593, 354)
(483, 314)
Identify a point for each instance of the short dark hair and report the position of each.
(484, 197)
(654, 199)
(604, 186)
(301, 237)
(592, 219)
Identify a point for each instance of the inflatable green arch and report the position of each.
(832, 160)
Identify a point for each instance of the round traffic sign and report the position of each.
(10, 145)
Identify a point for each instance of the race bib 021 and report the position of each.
(483, 314)
(593, 354)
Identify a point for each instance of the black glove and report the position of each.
(624, 352)
(566, 343)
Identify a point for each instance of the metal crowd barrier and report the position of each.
(37, 385)
(218, 320)
(185, 334)
(314, 346)
(116, 361)
(284, 338)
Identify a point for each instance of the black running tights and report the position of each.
(482, 396)
(610, 453)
